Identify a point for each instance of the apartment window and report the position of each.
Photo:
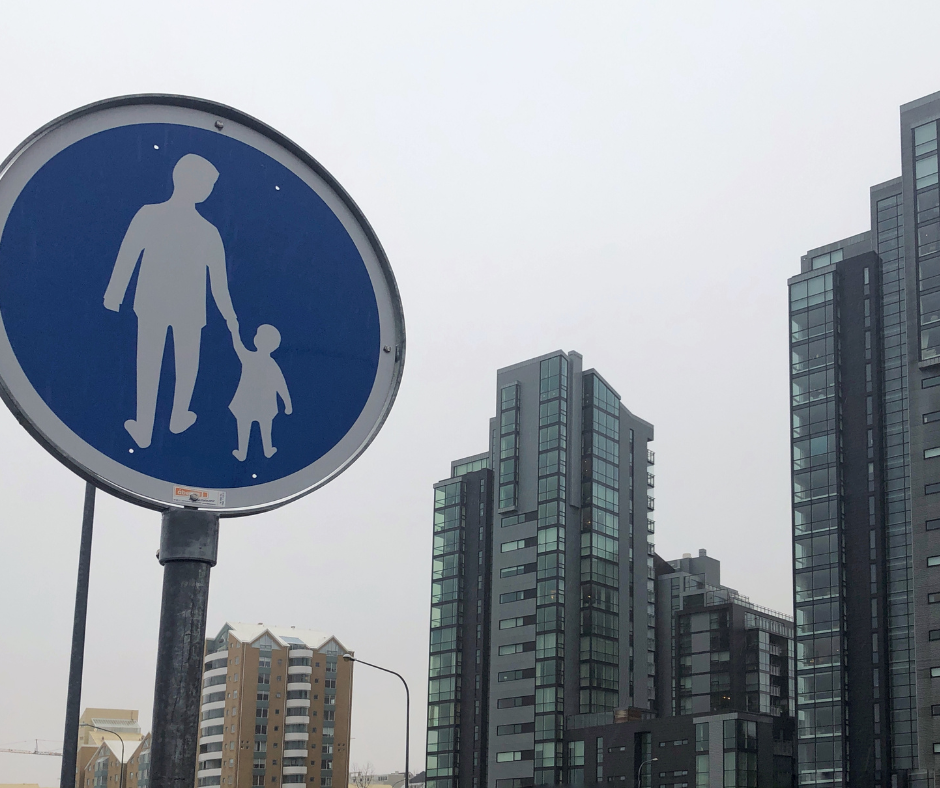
(935, 673)
(512, 703)
(933, 560)
(929, 454)
(933, 525)
(508, 730)
(521, 569)
(511, 675)
(515, 596)
(936, 748)
(933, 598)
(934, 634)
(925, 138)
(822, 260)
(506, 757)
(928, 383)
(933, 416)
(931, 489)
(512, 623)
(518, 544)
(512, 648)
(935, 710)
(925, 172)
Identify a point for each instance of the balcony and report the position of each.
(216, 704)
(650, 525)
(650, 480)
(650, 503)
(650, 457)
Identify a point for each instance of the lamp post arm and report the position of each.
(407, 711)
(639, 772)
(113, 733)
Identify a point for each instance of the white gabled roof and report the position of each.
(283, 636)
(115, 747)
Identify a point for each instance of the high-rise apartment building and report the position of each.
(718, 651)
(865, 377)
(543, 589)
(276, 708)
(724, 673)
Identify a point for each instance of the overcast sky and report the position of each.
(634, 181)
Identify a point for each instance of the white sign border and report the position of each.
(30, 409)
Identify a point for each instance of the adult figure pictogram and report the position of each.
(175, 247)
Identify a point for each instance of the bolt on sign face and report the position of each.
(192, 310)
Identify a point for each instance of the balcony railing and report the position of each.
(650, 457)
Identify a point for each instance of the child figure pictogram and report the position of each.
(258, 388)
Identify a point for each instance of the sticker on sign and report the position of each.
(193, 495)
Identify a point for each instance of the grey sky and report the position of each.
(634, 181)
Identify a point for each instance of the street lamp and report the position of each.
(113, 733)
(351, 658)
(639, 771)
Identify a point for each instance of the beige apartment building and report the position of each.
(276, 708)
(119, 724)
(103, 769)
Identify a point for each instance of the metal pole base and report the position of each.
(189, 543)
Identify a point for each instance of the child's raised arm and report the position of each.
(240, 348)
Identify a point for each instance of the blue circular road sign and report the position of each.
(192, 310)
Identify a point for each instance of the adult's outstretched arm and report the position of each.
(218, 281)
(128, 255)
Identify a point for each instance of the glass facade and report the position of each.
(740, 754)
(927, 217)
(817, 533)
(770, 665)
(897, 484)
(446, 646)
(550, 576)
(508, 447)
(600, 548)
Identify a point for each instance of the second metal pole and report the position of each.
(77, 663)
(189, 542)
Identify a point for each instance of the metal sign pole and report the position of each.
(263, 194)
(77, 663)
(189, 542)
